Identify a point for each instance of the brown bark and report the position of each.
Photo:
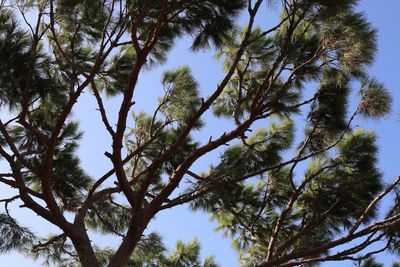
(84, 249)
(130, 241)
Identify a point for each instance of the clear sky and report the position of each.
(179, 223)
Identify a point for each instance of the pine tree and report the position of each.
(287, 193)
(371, 262)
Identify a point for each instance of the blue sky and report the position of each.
(179, 223)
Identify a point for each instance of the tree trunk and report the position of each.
(85, 250)
(131, 239)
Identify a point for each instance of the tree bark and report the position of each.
(84, 249)
(130, 241)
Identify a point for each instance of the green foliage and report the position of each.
(13, 236)
(354, 41)
(181, 98)
(209, 21)
(278, 195)
(108, 216)
(375, 100)
(327, 118)
(369, 262)
(261, 149)
(344, 185)
(185, 255)
(151, 252)
(47, 93)
(16, 50)
(235, 100)
(69, 179)
(88, 15)
(166, 136)
(115, 75)
(58, 251)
